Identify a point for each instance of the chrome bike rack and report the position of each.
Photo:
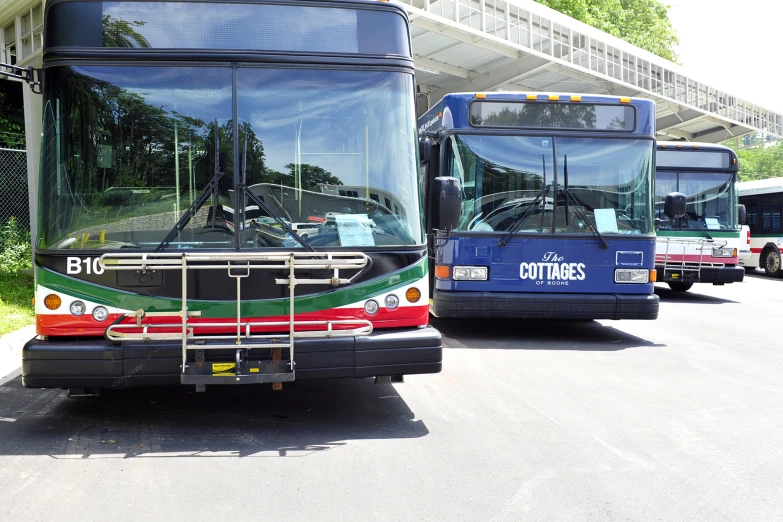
(680, 247)
(238, 266)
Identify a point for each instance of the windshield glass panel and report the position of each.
(127, 150)
(336, 156)
(502, 176)
(710, 196)
(610, 179)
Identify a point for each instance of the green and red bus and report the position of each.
(229, 194)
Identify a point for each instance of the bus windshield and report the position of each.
(502, 176)
(127, 150)
(710, 203)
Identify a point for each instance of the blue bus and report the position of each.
(540, 206)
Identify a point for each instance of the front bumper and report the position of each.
(727, 274)
(543, 306)
(99, 363)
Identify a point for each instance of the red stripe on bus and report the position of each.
(68, 325)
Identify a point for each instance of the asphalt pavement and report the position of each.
(669, 420)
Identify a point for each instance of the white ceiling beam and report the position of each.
(459, 72)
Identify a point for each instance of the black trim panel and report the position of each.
(518, 305)
(64, 363)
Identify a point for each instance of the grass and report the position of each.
(16, 308)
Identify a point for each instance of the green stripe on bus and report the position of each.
(216, 309)
(696, 233)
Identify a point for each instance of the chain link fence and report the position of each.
(14, 201)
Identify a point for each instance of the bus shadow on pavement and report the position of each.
(692, 296)
(305, 418)
(760, 274)
(536, 334)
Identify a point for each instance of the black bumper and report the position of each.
(727, 274)
(102, 364)
(543, 306)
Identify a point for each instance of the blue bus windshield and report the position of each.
(502, 175)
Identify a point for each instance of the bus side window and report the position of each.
(751, 208)
(771, 216)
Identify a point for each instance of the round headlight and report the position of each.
(78, 308)
(371, 307)
(391, 301)
(100, 313)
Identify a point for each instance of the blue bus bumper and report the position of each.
(543, 306)
(99, 363)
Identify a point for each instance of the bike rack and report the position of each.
(690, 268)
(275, 370)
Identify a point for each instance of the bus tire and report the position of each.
(771, 262)
(680, 287)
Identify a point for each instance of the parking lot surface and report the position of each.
(675, 419)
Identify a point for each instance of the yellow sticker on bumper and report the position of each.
(222, 367)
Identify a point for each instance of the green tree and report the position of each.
(644, 23)
(11, 115)
(759, 162)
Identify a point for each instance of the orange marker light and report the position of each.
(52, 301)
(442, 271)
(625, 99)
(413, 294)
(531, 97)
(576, 98)
(481, 95)
(653, 275)
(554, 97)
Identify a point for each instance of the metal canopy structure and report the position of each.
(520, 45)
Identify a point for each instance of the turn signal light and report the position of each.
(442, 271)
(413, 294)
(653, 275)
(52, 301)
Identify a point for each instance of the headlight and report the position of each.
(724, 252)
(100, 313)
(627, 275)
(470, 273)
(371, 307)
(391, 301)
(78, 308)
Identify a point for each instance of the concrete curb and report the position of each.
(11, 352)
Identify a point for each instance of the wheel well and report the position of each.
(767, 248)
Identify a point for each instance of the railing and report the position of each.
(533, 27)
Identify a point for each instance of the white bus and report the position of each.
(702, 245)
(763, 200)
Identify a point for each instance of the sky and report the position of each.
(733, 45)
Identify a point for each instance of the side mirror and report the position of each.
(446, 202)
(743, 214)
(674, 205)
(425, 150)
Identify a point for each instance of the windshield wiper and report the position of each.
(210, 190)
(529, 211)
(580, 212)
(244, 190)
(698, 227)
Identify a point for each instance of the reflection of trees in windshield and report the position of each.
(122, 33)
(537, 115)
(127, 150)
(709, 199)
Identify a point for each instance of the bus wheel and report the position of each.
(680, 287)
(772, 263)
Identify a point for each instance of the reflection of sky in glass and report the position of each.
(197, 92)
(240, 26)
(335, 116)
(523, 154)
(605, 162)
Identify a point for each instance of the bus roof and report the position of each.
(760, 186)
(452, 111)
